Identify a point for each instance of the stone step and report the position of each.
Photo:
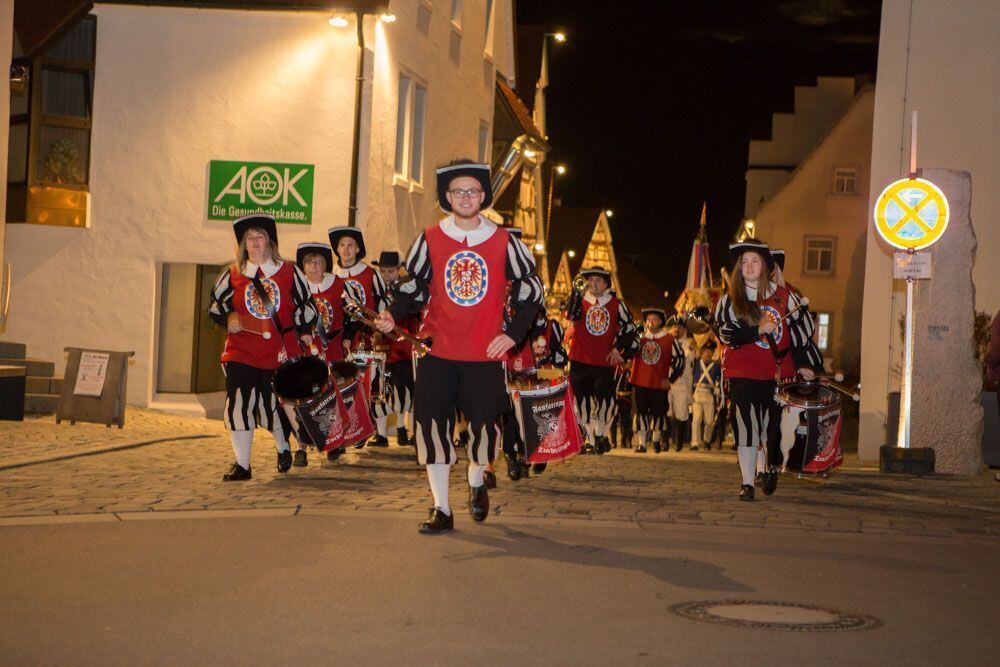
(34, 367)
(10, 350)
(45, 404)
(43, 385)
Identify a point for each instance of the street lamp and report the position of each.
(559, 36)
(571, 253)
(609, 213)
(559, 169)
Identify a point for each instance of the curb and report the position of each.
(99, 450)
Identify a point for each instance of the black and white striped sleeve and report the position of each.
(413, 292)
(557, 353)
(677, 360)
(303, 308)
(525, 289)
(805, 352)
(380, 291)
(222, 299)
(627, 340)
(733, 332)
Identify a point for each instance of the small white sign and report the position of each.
(93, 370)
(916, 265)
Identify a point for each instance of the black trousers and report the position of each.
(751, 404)
(594, 389)
(250, 400)
(651, 407)
(401, 386)
(442, 386)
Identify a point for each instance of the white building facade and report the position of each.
(176, 88)
(941, 59)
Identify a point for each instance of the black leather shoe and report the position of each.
(539, 468)
(301, 459)
(284, 460)
(437, 521)
(403, 438)
(237, 473)
(513, 469)
(746, 492)
(641, 449)
(479, 502)
(334, 454)
(379, 441)
(490, 479)
(361, 444)
(600, 446)
(656, 447)
(769, 482)
(679, 447)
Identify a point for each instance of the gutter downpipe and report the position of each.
(352, 202)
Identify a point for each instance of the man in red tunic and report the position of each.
(659, 362)
(460, 268)
(603, 336)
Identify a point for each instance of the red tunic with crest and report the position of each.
(249, 348)
(468, 288)
(401, 350)
(755, 361)
(330, 306)
(521, 359)
(594, 333)
(364, 284)
(651, 365)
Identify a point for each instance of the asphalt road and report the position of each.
(364, 588)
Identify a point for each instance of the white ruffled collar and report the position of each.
(270, 267)
(473, 237)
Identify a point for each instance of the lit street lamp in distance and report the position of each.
(559, 36)
(560, 169)
(571, 253)
(609, 213)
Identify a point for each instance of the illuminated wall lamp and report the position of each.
(339, 21)
(387, 18)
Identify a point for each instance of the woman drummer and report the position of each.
(754, 319)
(247, 297)
(331, 327)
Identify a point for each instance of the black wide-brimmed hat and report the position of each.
(598, 271)
(388, 259)
(652, 310)
(736, 250)
(337, 233)
(314, 248)
(779, 258)
(457, 169)
(259, 220)
(677, 321)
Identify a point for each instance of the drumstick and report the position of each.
(856, 397)
(266, 335)
(368, 316)
(804, 301)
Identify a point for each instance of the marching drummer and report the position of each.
(785, 420)
(348, 244)
(660, 362)
(754, 318)
(259, 294)
(681, 396)
(707, 394)
(315, 260)
(399, 358)
(460, 267)
(603, 335)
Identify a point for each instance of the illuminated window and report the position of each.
(845, 181)
(411, 113)
(823, 330)
(820, 255)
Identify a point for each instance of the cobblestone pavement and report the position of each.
(672, 488)
(40, 438)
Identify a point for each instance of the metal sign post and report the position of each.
(911, 214)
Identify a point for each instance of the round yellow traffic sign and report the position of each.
(911, 213)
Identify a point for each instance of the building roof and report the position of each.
(571, 228)
(530, 40)
(38, 22)
(517, 109)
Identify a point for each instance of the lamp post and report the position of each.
(558, 169)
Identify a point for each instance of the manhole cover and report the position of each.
(773, 616)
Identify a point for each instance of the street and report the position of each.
(142, 555)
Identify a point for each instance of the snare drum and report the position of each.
(546, 420)
(806, 395)
(299, 380)
(329, 417)
(372, 363)
(814, 411)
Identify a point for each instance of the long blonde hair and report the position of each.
(743, 308)
(242, 256)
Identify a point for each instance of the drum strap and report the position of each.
(268, 305)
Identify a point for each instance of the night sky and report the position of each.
(651, 106)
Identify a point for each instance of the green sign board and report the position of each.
(283, 190)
